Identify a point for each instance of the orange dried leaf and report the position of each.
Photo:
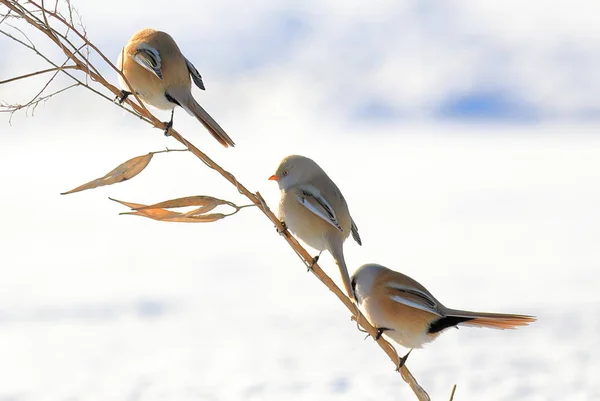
(128, 204)
(208, 218)
(199, 211)
(198, 200)
(169, 215)
(122, 172)
(156, 214)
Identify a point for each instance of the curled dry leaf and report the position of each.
(206, 218)
(160, 214)
(206, 203)
(199, 211)
(128, 204)
(123, 172)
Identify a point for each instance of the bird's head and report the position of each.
(364, 278)
(295, 170)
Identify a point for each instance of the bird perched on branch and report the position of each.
(160, 75)
(314, 209)
(403, 310)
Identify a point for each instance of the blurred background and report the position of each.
(463, 134)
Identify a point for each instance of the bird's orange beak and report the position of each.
(274, 177)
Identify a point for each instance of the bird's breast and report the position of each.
(151, 89)
(306, 225)
(408, 326)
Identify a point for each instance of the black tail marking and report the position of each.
(445, 322)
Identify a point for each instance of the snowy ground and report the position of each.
(96, 306)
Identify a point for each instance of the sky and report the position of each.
(463, 135)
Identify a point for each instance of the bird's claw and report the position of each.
(282, 230)
(314, 262)
(120, 99)
(168, 126)
(402, 361)
(315, 259)
(380, 331)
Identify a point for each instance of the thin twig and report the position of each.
(67, 67)
(167, 150)
(32, 47)
(36, 99)
(97, 76)
(5, 16)
(14, 108)
(452, 393)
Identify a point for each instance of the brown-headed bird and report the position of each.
(403, 310)
(160, 75)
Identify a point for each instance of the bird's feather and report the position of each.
(195, 74)
(355, 235)
(184, 98)
(149, 58)
(311, 198)
(413, 297)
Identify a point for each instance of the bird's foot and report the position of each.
(168, 126)
(314, 262)
(380, 331)
(120, 99)
(402, 361)
(282, 230)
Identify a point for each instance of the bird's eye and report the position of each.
(284, 173)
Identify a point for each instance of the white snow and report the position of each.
(98, 306)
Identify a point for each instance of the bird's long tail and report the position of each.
(338, 255)
(189, 104)
(491, 320)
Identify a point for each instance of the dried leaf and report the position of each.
(123, 172)
(128, 204)
(174, 217)
(168, 215)
(200, 210)
(198, 200)
(155, 214)
(207, 218)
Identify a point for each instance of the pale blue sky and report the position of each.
(385, 60)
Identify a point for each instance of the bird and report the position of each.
(160, 75)
(315, 210)
(406, 312)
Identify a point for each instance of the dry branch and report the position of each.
(38, 16)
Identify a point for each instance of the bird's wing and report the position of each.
(195, 74)
(355, 233)
(413, 297)
(311, 198)
(149, 58)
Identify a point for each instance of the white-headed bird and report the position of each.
(315, 210)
